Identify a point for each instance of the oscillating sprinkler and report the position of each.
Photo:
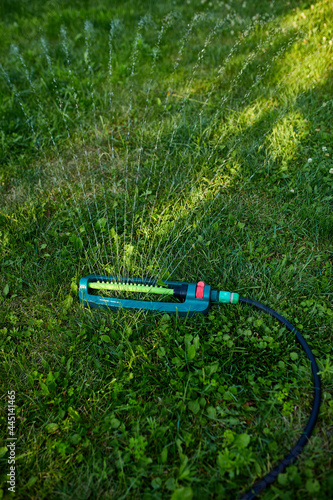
(172, 297)
(186, 299)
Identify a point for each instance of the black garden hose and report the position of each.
(258, 487)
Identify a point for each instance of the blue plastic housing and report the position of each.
(190, 306)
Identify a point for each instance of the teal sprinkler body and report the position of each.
(192, 298)
(186, 299)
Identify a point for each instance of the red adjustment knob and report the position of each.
(199, 292)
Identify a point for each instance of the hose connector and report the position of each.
(224, 297)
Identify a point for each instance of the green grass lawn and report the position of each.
(182, 140)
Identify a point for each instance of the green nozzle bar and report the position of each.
(127, 287)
